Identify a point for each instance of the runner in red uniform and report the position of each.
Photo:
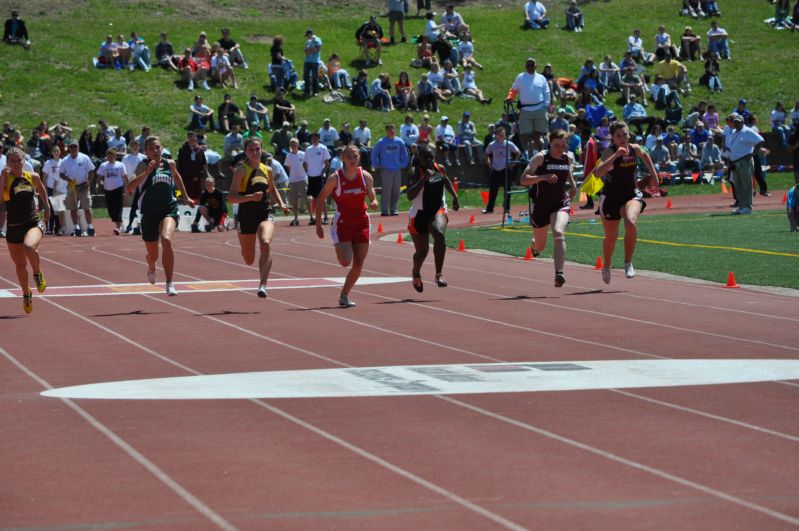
(621, 195)
(551, 171)
(351, 226)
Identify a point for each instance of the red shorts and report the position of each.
(358, 232)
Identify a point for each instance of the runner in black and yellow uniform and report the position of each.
(253, 189)
(157, 179)
(428, 215)
(24, 230)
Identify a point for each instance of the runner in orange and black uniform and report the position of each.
(621, 195)
(428, 214)
(253, 189)
(24, 230)
(551, 171)
(351, 227)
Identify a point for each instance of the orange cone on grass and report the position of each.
(724, 188)
(731, 281)
(668, 204)
(598, 263)
(400, 241)
(461, 246)
(529, 254)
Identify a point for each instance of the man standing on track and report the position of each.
(742, 143)
(534, 98)
(78, 170)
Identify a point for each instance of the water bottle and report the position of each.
(510, 219)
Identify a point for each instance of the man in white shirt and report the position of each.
(409, 133)
(118, 142)
(233, 145)
(362, 138)
(317, 160)
(742, 141)
(56, 190)
(328, 136)
(717, 40)
(298, 180)
(78, 170)
(534, 98)
(453, 22)
(535, 15)
(445, 140)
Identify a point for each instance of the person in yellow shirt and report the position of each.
(674, 73)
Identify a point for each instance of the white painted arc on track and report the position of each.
(441, 380)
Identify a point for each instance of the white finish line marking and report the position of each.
(202, 286)
(440, 380)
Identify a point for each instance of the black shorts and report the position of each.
(610, 205)
(151, 222)
(249, 221)
(540, 213)
(315, 185)
(16, 233)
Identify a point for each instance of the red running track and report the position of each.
(701, 457)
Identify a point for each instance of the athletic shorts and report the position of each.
(530, 121)
(16, 233)
(541, 213)
(315, 185)
(420, 224)
(357, 232)
(78, 195)
(151, 222)
(610, 205)
(298, 193)
(249, 222)
(396, 16)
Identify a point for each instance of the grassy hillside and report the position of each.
(55, 80)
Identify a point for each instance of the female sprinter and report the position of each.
(551, 171)
(24, 230)
(350, 228)
(621, 195)
(157, 178)
(253, 189)
(428, 214)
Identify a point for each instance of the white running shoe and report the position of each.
(606, 275)
(345, 302)
(170, 289)
(262, 293)
(560, 280)
(151, 276)
(629, 270)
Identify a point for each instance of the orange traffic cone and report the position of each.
(380, 228)
(484, 197)
(400, 241)
(529, 254)
(724, 188)
(461, 246)
(731, 281)
(668, 204)
(784, 198)
(471, 219)
(598, 263)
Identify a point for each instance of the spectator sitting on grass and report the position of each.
(409, 133)
(451, 81)
(211, 207)
(362, 139)
(718, 40)
(711, 119)
(453, 22)
(339, 77)
(303, 135)
(663, 44)
(201, 45)
(711, 156)
(221, 69)
(470, 86)
(431, 29)
(253, 131)
(190, 71)
(661, 157)
(282, 109)
(466, 50)
(426, 97)
(535, 15)
(610, 74)
(233, 145)
(631, 85)
(674, 73)
(444, 49)
(165, 53)
(651, 138)
(574, 17)
(699, 135)
(232, 49)
(107, 55)
(381, 93)
(328, 136)
(635, 115)
(201, 116)
(445, 141)
(359, 95)
(436, 78)
(779, 125)
(687, 155)
(711, 76)
(406, 98)
(424, 53)
(118, 142)
(124, 51)
(15, 31)
(281, 141)
(690, 45)
(229, 113)
(692, 8)
(282, 74)
(467, 137)
(257, 112)
(635, 45)
(140, 56)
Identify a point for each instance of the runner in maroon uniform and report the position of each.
(621, 195)
(551, 171)
(25, 231)
(351, 226)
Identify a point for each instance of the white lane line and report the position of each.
(597, 451)
(134, 454)
(478, 509)
(627, 462)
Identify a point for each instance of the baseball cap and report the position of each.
(308, 31)
(73, 142)
(444, 118)
(742, 101)
(466, 113)
(286, 124)
(738, 119)
(304, 122)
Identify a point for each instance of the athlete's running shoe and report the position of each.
(345, 302)
(560, 280)
(151, 276)
(41, 283)
(27, 301)
(262, 292)
(629, 270)
(170, 289)
(90, 231)
(606, 275)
